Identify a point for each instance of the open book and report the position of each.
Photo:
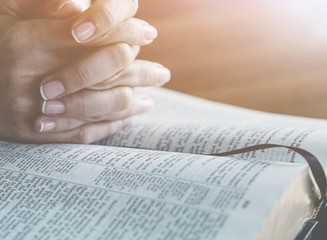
(161, 178)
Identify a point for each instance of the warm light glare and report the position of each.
(83, 3)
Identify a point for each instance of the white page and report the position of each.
(171, 106)
(182, 123)
(94, 192)
(212, 139)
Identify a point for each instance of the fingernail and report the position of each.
(47, 126)
(53, 107)
(67, 7)
(83, 31)
(150, 33)
(52, 90)
(163, 75)
(146, 104)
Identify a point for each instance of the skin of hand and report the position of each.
(89, 91)
(26, 9)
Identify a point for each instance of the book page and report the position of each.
(172, 106)
(95, 192)
(184, 124)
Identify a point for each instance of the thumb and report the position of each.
(101, 17)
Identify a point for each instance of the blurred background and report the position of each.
(269, 55)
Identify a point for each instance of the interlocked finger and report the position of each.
(138, 74)
(87, 133)
(93, 69)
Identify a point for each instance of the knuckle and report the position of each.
(82, 107)
(14, 76)
(14, 36)
(83, 75)
(133, 30)
(66, 124)
(106, 16)
(16, 47)
(123, 54)
(134, 5)
(17, 74)
(146, 77)
(12, 43)
(95, 119)
(8, 8)
(113, 128)
(124, 98)
(84, 135)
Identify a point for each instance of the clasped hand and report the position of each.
(68, 76)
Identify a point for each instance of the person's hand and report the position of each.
(97, 21)
(28, 55)
(122, 28)
(75, 110)
(103, 101)
(26, 9)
